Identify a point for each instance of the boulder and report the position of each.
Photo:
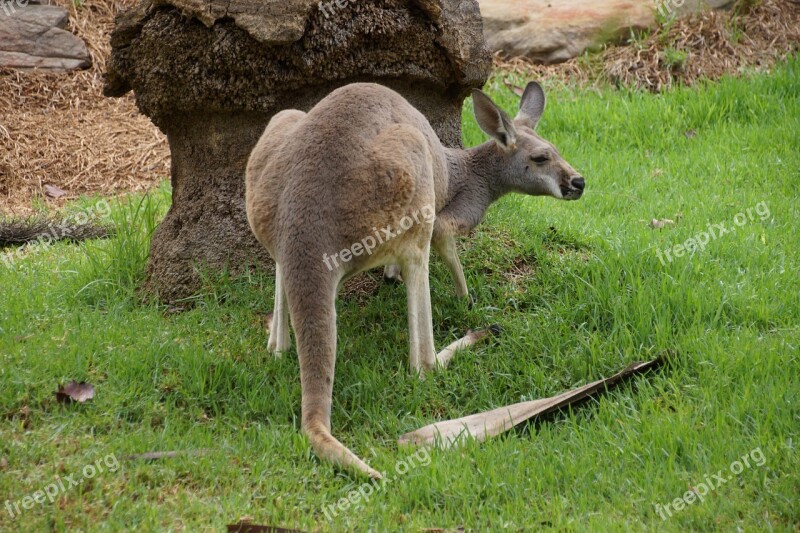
(34, 36)
(210, 74)
(552, 31)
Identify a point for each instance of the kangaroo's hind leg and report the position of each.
(422, 353)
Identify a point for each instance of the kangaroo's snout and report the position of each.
(575, 188)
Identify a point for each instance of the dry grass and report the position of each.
(58, 129)
(704, 46)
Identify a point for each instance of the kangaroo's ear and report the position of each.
(493, 120)
(531, 106)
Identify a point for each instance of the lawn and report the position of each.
(581, 289)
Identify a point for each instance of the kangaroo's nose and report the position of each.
(578, 183)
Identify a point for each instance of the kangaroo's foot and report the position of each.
(328, 448)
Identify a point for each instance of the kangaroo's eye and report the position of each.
(540, 159)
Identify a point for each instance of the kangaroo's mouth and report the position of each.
(570, 193)
(574, 189)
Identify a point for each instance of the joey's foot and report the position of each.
(275, 351)
(274, 346)
(392, 275)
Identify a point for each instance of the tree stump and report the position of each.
(211, 73)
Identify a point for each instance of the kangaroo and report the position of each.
(361, 162)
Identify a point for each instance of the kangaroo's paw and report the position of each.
(470, 339)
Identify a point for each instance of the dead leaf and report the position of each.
(24, 416)
(490, 423)
(691, 133)
(75, 392)
(246, 527)
(663, 223)
(54, 192)
(3, 463)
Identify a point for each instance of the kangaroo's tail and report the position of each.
(311, 294)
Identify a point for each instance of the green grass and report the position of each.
(579, 290)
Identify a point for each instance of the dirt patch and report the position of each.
(521, 270)
(705, 45)
(58, 129)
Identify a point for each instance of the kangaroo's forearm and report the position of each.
(457, 219)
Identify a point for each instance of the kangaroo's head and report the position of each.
(528, 164)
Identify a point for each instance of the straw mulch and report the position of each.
(706, 45)
(58, 129)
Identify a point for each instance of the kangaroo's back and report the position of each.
(315, 166)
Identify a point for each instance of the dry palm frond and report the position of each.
(19, 231)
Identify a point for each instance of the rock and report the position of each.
(686, 7)
(211, 73)
(552, 31)
(33, 36)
